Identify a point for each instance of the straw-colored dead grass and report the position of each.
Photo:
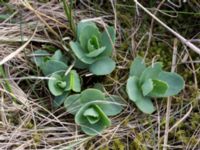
(27, 120)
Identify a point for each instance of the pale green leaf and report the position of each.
(108, 40)
(92, 115)
(96, 52)
(81, 25)
(39, 57)
(86, 126)
(133, 89)
(113, 105)
(102, 66)
(53, 66)
(175, 83)
(159, 88)
(72, 103)
(137, 67)
(59, 57)
(86, 34)
(53, 85)
(80, 53)
(93, 44)
(73, 81)
(147, 87)
(93, 120)
(91, 112)
(90, 94)
(151, 72)
(145, 105)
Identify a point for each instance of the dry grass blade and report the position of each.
(181, 120)
(174, 57)
(35, 124)
(181, 38)
(10, 56)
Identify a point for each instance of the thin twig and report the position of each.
(181, 38)
(169, 98)
(10, 56)
(181, 120)
(151, 28)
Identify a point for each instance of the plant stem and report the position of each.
(180, 37)
(6, 84)
(68, 13)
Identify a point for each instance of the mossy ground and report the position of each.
(36, 125)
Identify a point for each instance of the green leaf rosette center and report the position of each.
(145, 83)
(93, 44)
(93, 48)
(91, 109)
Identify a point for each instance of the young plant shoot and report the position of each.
(93, 48)
(92, 110)
(145, 83)
(60, 85)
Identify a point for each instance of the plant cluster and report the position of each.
(60, 84)
(147, 82)
(91, 107)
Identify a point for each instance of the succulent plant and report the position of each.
(147, 82)
(50, 64)
(55, 66)
(60, 83)
(92, 108)
(93, 48)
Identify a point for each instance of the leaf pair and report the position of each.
(92, 108)
(93, 49)
(147, 82)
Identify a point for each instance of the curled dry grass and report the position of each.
(26, 118)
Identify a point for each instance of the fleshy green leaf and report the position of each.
(133, 90)
(102, 66)
(96, 52)
(86, 126)
(53, 84)
(91, 112)
(81, 25)
(93, 44)
(112, 106)
(108, 40)
(145, 105)
(87, 33)
(79, 52)
(159, 88)
(39, 57)
(59, 57)
(147, 87)
(175, 83)
(72, 103)
(137, 67)
(53, 66)
(92, 115)
(151, 72)
(93, 120)
(73, 81)
(59, 100)
(89, 95)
